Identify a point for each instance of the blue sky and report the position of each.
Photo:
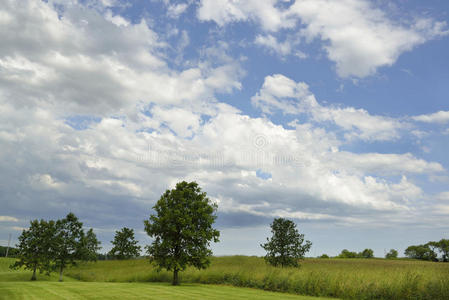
(332, 113)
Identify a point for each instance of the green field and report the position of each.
(16, 285)
(341, 278)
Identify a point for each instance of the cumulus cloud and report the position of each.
(440, 117)
(356, 35)
(86, 63)
(150, 126)
(8, 219)
(280, 93)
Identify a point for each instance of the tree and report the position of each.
(90, 246)
(345, 253)
(443, 247)
(182, 229)
(125, 246)
(367, 253)
(34, 248)
(68, 243)
(286, 246)
(422, 252)
(392, 254)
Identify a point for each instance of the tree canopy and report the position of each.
(287, 245)
(391, 254)
(34, 251)
(49, 245)
(125, 245)
(182, 229)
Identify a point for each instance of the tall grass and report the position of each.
(341, 278)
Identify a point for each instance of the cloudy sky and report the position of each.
(334, 114)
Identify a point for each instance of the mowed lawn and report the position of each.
(17, 285)
(104, 290)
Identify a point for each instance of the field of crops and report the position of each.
(17, 285)
(340, 278)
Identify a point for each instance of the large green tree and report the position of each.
(34, 251)
(68, 243)
(182, 229)
(125, 245)
(287, 245)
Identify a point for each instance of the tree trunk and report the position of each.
(61, 269)
(175, 277)
(34, 273)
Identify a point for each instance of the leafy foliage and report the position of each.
(367, 253)
(182, 229)
(392, 254)
(68, 241)
(286, 245)
(48, 245)
(125, 245)
(35, 247)
(423, 252)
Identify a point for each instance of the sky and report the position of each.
(334, 114)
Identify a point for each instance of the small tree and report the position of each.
(367, 253)
(392, 254)
(286, 245)
(90, 246)
(345, 253)
(34, 248)
(182, 229)
(68, 243)
(125, 246)
(443, 247)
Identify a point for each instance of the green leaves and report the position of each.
(182, 228)
(286, 245)
(47, 245)
(125, 246)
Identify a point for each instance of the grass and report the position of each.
(17, 285)
(342, 278)
(103, 290)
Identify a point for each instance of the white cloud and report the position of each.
(86, 64)
(8, 219)
(441, 117)
(175, 10)
(284, 94)
(272, 44)
(158, 126)
(356, 35)
(228, 11)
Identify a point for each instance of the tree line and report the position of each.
(181, 228)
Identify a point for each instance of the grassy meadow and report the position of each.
(340, 278)
(17, 285)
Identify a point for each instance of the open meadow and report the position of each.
(17, 285)
(340, 278)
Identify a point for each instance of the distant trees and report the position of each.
(125, 246)
(286, 246)
(392, 254)
(182, 229)
(50, 245)
(367, 253)
(345, 253)
(422, 252)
